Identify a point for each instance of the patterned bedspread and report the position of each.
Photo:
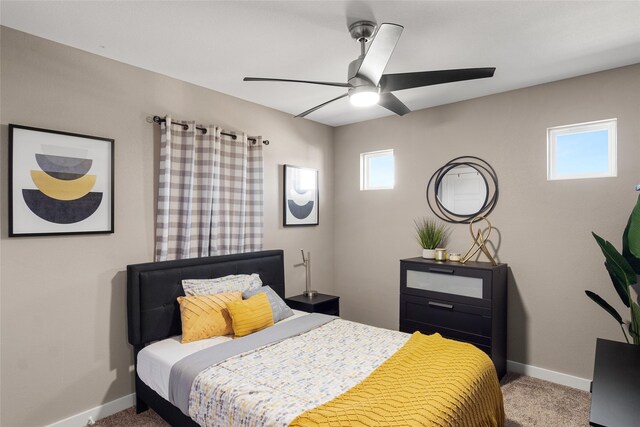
(273, 385)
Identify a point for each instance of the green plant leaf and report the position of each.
(631, 238)
(622, 288)
(605, 305)
(623, 278)
(634, 326)
(617, 266)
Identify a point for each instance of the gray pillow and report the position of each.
(279, 308)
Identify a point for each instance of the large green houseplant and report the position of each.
(624, 270)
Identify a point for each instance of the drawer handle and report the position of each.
(441, 305)
(442, 270)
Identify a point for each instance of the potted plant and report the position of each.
(431, 234)
(624, 270)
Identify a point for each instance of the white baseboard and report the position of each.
(547, 375)
(109, 408)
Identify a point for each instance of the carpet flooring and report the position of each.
(528, 402)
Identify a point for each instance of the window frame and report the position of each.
(365, 173)
(610, 125)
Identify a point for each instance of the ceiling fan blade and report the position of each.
(391, 103)
(391, 82)
(317, 107)
(265, 79)
(380, 50)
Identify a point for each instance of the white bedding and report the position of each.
(156, 360)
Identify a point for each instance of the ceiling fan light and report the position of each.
(364, 98)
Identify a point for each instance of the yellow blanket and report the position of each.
(430, 381)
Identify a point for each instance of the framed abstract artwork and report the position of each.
(59, 183)
(300, 196)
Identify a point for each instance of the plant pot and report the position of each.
(429, 253)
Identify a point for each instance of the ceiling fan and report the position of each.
(366, 83)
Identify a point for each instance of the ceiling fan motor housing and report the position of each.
(362, 30)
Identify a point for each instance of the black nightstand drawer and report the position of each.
(327, 308)
(451, 315)
(319, 303)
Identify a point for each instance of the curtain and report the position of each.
(210, 193)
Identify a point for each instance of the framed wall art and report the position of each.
(300, 196)
(59, 183)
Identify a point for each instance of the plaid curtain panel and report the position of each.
(210, 193)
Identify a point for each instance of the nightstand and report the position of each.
(615, 390)
(319, 303)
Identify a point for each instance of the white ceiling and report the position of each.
(216, 43)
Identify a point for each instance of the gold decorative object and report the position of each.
(479, 241)
(441, 254)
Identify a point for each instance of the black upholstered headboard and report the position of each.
(153, 287)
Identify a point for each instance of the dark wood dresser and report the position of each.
(466, 302)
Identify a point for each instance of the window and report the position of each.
(585, 150)
(377, 170)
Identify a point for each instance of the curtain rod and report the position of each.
(158, 120)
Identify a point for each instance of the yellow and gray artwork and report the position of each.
(61, 182)
(63, 194)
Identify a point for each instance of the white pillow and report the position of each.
(219, 285)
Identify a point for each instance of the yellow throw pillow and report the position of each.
(250, 315)
(206, 316)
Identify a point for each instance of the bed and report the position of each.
(344, 390)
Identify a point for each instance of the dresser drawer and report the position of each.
(447, 281)
(482, 342)
(465, 318)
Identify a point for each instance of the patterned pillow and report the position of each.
(231, 283)
(250, 315)
(206, 316)
(279, 308)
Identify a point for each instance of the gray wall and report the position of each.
(543, 228)
(64, 346)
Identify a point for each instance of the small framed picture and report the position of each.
(59, 183)
(300, 196)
